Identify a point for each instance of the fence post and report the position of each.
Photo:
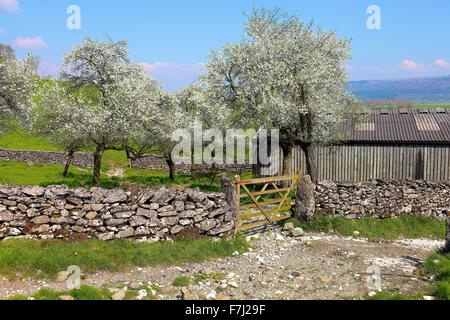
(229, 188)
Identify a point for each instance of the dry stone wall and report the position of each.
(150, 162)
(80, 159)
(383, 199)
(57, 212)
(85, 160)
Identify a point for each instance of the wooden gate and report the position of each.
(264, 201)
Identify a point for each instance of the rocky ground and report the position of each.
(277, 267)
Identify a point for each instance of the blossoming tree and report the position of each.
(17, 84)
(287, 75)
(117, 93)
(63, 118)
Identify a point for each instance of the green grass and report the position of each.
(439, 266)
(390, 296)
(182, 281)
(90, 293)
(21, 173)
(85, 292)
(20, 140)
(46, 259)
(403, 227)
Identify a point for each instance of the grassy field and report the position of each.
(22, 173)
(389, 229)
(40, 259)
(20, 140)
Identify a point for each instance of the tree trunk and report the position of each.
(69, 159)
(310, 156)
(171, 166)
(98, 155)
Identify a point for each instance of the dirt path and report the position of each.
(278, 267)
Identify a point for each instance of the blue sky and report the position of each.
(173, 38)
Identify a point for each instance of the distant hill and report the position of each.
(418, 90)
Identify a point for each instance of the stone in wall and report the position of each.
(383, 199)
(57, 212)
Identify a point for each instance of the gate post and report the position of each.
(228, 187)
(305, 203)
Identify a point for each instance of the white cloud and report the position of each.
(174, 75)
(10, 5)
(36, 43)
(2, 32)
(411, 65)
(441, 63)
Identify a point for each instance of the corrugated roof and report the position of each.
(402, 126)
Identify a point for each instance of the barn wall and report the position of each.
(361, 163)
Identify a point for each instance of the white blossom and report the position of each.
(17, 84)
(285, 75)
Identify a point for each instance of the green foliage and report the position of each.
(182, 281)
(389, 296)
(396, 228)
(47, 294)
(45, 259)
(18, 298)
(199, 277)
(90, 293)
(85, 292)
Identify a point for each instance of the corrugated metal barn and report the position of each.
(402, 144)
